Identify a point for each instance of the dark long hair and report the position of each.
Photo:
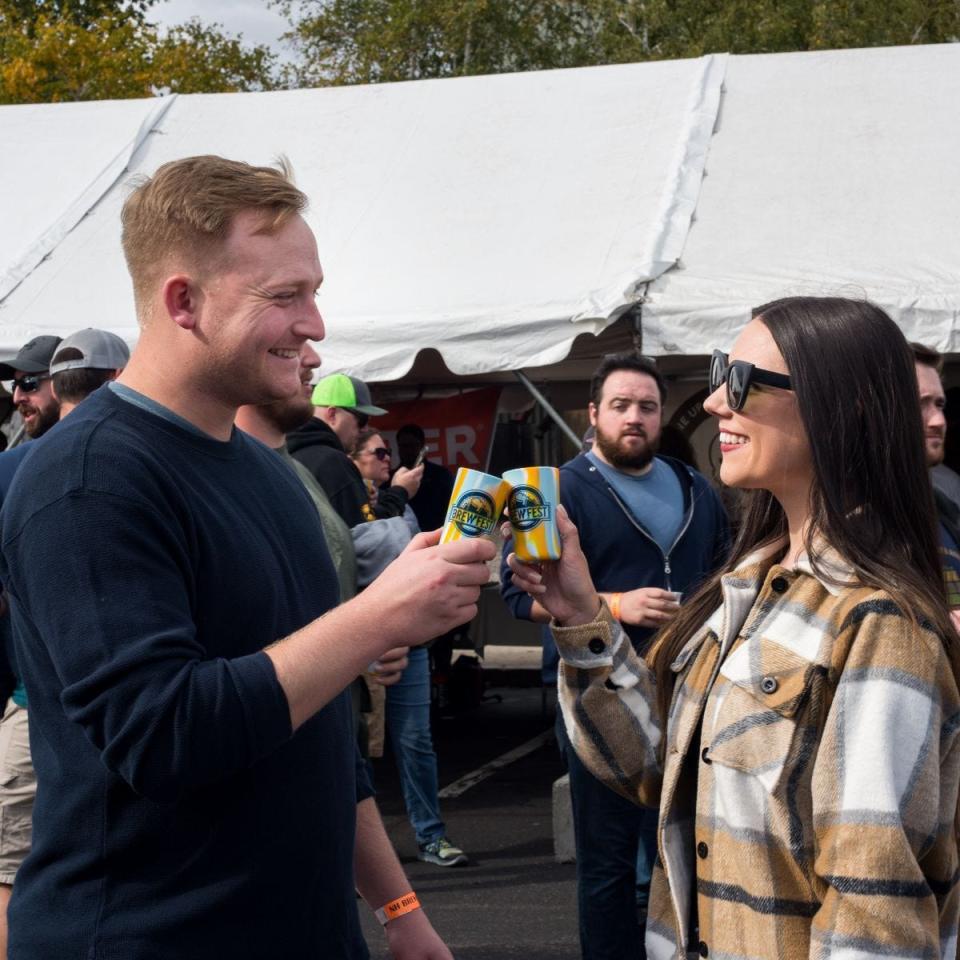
(871, 500)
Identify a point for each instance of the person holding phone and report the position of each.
(408, 707)
(429, 503)
(798, 724)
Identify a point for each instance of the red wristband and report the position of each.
(614, 604)
(397, 908)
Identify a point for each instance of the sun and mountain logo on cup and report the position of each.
(474, 513)
(527, 508)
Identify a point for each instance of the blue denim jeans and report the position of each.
(616, 844)
(408, 724)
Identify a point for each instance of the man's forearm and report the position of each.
(381, 879)
(379, 875)
(423, 594)
(320, 660)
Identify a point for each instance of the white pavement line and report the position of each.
(462, 785)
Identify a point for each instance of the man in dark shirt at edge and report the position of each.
(933, 402)
(199, 792)
(78, 366)
(430, 501)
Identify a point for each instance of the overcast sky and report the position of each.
(255, 19)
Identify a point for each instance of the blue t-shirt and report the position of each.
(177, 814)
(655, 499)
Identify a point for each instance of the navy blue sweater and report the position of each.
(176, 813)
(621, 555)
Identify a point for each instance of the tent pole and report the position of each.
(545, 403)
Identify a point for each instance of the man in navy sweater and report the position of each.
(651, 528)
(198, 787)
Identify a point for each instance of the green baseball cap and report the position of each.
(348, 393)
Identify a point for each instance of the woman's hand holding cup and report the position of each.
(562, 587)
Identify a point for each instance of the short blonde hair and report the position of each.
(187, 208)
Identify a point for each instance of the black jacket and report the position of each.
(319, 449)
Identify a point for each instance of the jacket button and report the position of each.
(769, 684)
(596, 645)
(703, 755)
(702, 850)
(702, 949)
(779, 584)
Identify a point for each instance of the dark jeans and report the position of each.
(616, 843)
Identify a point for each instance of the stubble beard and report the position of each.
(287, 415)
(935, 456)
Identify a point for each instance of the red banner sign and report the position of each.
(458, 429)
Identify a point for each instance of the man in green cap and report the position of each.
(342, 407)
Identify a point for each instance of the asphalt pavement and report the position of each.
(513, 899)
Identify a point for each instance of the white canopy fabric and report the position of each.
(830, 174)
(59, 159)
(492, 218)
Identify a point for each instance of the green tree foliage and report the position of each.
(367, 41)
(82, 13)
(97, 49)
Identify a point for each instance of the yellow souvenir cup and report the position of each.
(534, 497)
(475, 505)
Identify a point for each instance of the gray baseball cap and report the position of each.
(33, 357)
(90, 349)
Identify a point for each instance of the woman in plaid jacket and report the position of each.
(797, 725)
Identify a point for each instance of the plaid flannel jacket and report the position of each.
(808, 795)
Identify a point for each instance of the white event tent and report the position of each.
(495, 219)
(829, 173)
(492, 218)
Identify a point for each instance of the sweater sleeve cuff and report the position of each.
(523, 607)
(589, 645)
(401, 494)
(265, 708)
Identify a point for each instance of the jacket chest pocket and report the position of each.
(756, 714)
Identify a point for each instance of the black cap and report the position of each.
(34, 357)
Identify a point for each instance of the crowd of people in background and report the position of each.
(759, 713)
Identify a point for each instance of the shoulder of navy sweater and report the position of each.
(100, 449)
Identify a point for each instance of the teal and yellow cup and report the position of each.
(475, 505)
(534, 497)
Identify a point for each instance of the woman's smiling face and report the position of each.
(764, 445)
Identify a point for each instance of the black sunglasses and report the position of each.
(739, 377)
(381, 453)
(362, 419)
(30, 382)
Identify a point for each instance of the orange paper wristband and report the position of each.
(614, 604)
(397, 908)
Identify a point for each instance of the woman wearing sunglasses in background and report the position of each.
(372, 457)
(408, 701)
(797, 724)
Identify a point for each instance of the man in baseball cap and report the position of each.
(41, 405)
(80, 364)
(346, 393)
(29, 369)
(342, 406)
(72, 369)
(90, 349)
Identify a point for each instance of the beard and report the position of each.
(619, 455)
(936, 454)
(45, 418)
(287, 415)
